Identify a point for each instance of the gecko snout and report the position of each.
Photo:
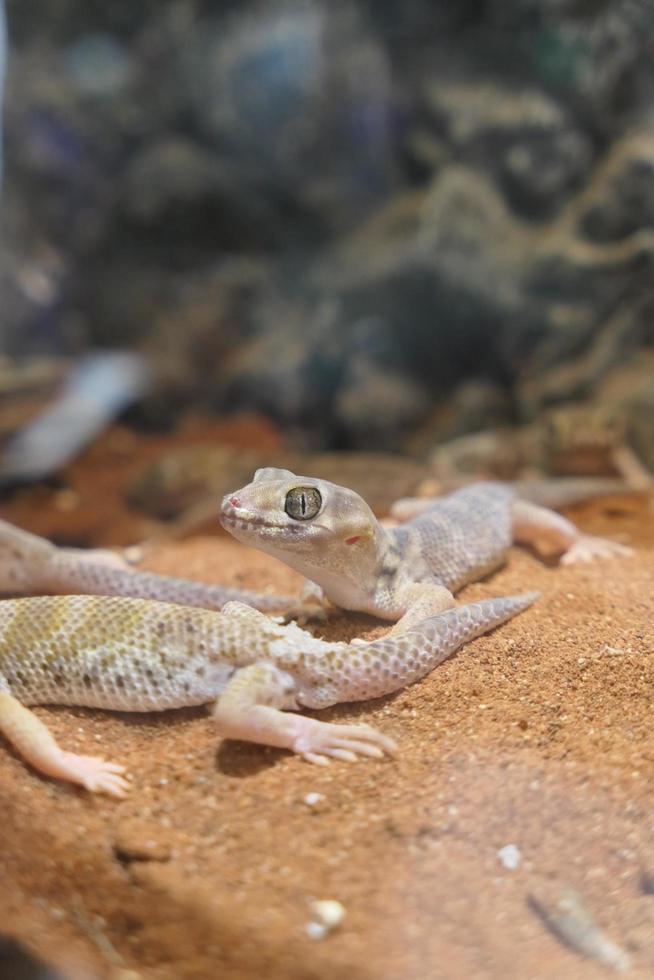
(233, 512)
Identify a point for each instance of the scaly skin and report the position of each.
(29, 565)
(142, 655)
(405, 573)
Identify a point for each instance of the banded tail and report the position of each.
(357, 673)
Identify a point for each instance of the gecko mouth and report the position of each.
(251, 526)
(244, 523)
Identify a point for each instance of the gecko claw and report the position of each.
(94, 774)
(305, 612)
(317, 741)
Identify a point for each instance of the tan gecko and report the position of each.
(142, 655)
(405, 573)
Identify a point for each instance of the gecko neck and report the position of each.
(348, 574)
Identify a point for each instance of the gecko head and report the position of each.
(314, 522)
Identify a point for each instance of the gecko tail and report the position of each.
(437, 638)
(371, 670)
(22, 556)
(30, 564)
(564, 491)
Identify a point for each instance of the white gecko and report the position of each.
(143, 655)
(404, 573)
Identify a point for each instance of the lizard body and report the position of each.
(138, 655)
(330, 535)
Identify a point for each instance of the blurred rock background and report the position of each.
(383, 225)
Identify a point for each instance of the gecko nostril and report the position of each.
(234, 501)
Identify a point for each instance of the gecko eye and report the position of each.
(303, 503)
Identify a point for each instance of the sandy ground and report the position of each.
(539, 735)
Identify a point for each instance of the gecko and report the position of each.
(330, 535)
(128, 654)
(32, 565)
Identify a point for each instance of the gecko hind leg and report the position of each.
(549, 531)
(249, 709)
(35, 743)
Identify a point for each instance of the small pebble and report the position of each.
(311, 799)
(327, 915)
(509, 857)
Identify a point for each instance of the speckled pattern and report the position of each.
(464, 535)
(66, 575)
(139, 655)
(371, 670)
(125, 654)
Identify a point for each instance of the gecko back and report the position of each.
(463, 536)
(118, 653)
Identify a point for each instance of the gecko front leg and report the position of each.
(250, 709)
(422, 600)
(35, 743)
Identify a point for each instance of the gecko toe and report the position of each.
(112, 786)
(361, 748)
(95, 774)
(590, 548)
(343, 754)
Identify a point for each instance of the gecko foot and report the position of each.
(590, 548)
(316, 741)
(93, 773)
(305, 612)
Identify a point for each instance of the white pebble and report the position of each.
(509, 857)
(327, 915)
(311, 799)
